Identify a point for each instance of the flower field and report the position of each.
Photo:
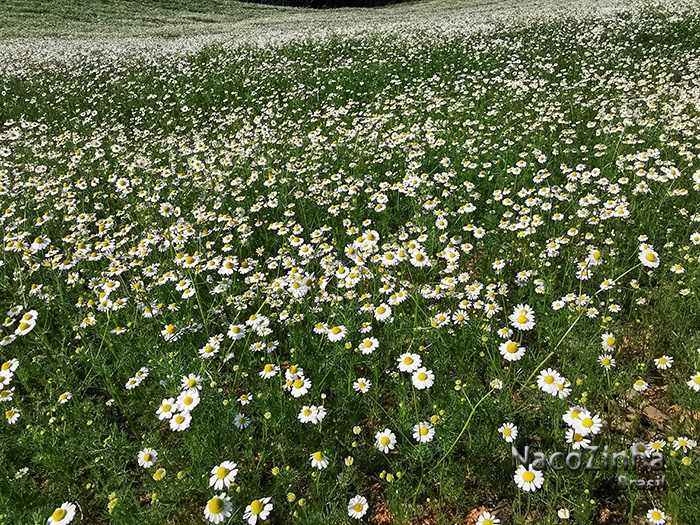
(333, 277)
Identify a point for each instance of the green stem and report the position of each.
(464, 429)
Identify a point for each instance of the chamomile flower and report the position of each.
(640, 385)
(576, 439)
(368, 345)
(423, 378)
(509, 432)
(64, 398)
(409, 362)
(523, 317)
(218, 508)
(12, 415)
(188, 400)
(223, 475)
(664, 362)
(362, 385)
(166, 409)
(62, 515)
(588, 423)
(147, 458)
(527, 479)
(382, 312)
(511, 351)
(258, 510)
(336, 333)
(385, 440)
(564, 513)
(547, 380)
(694, 382)
(180, 421)
(656, 516)
(269, 370)
(608, 341)
(684, 444)
(191, 381)
(300, 387)
(606, 361)
(649, 258)
(241, 421)
(487, 519)
(357, 507)
(423, 432)
(572, 415)
(318, 460)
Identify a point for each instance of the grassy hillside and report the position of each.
(347, 261)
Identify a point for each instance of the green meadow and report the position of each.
(275, 265)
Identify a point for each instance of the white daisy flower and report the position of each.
(147, 457)
(62, 515)
(509, 432)
(409, 362)
(527, 479)
(385, 440)
(523, 317)
(357, 507)
(423, 432)
(423, 378)
(257, 510)
(218, 508)
(223, 475)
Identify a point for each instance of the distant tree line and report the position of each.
(326, 4)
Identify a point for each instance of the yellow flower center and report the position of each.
(697, 380)
(170, 329)
(610, 341)
(179, 419)
(512, 348)
(587, 422)
(578, 437)
(23, 325)
(335, 330)
(650, 257)
(221, 472)
(522, 319)
(358, 507)
(656, 515)
(368, 344)
(307, 412)
(385, 441)
(662, 360)
(58, 514)
(6, 365)
(318, 456)
(216, 505)
(166, 408)
(507, 432)
(408, 360)
(528, 476)
(549, 380)
(268, 368)
(422, 376)
(423, 431)
(298, 383)
(9, 414)
(293, 369)
(256, 507)
(381, 310)
(147, 457)
(606, 361)
(188, 400)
